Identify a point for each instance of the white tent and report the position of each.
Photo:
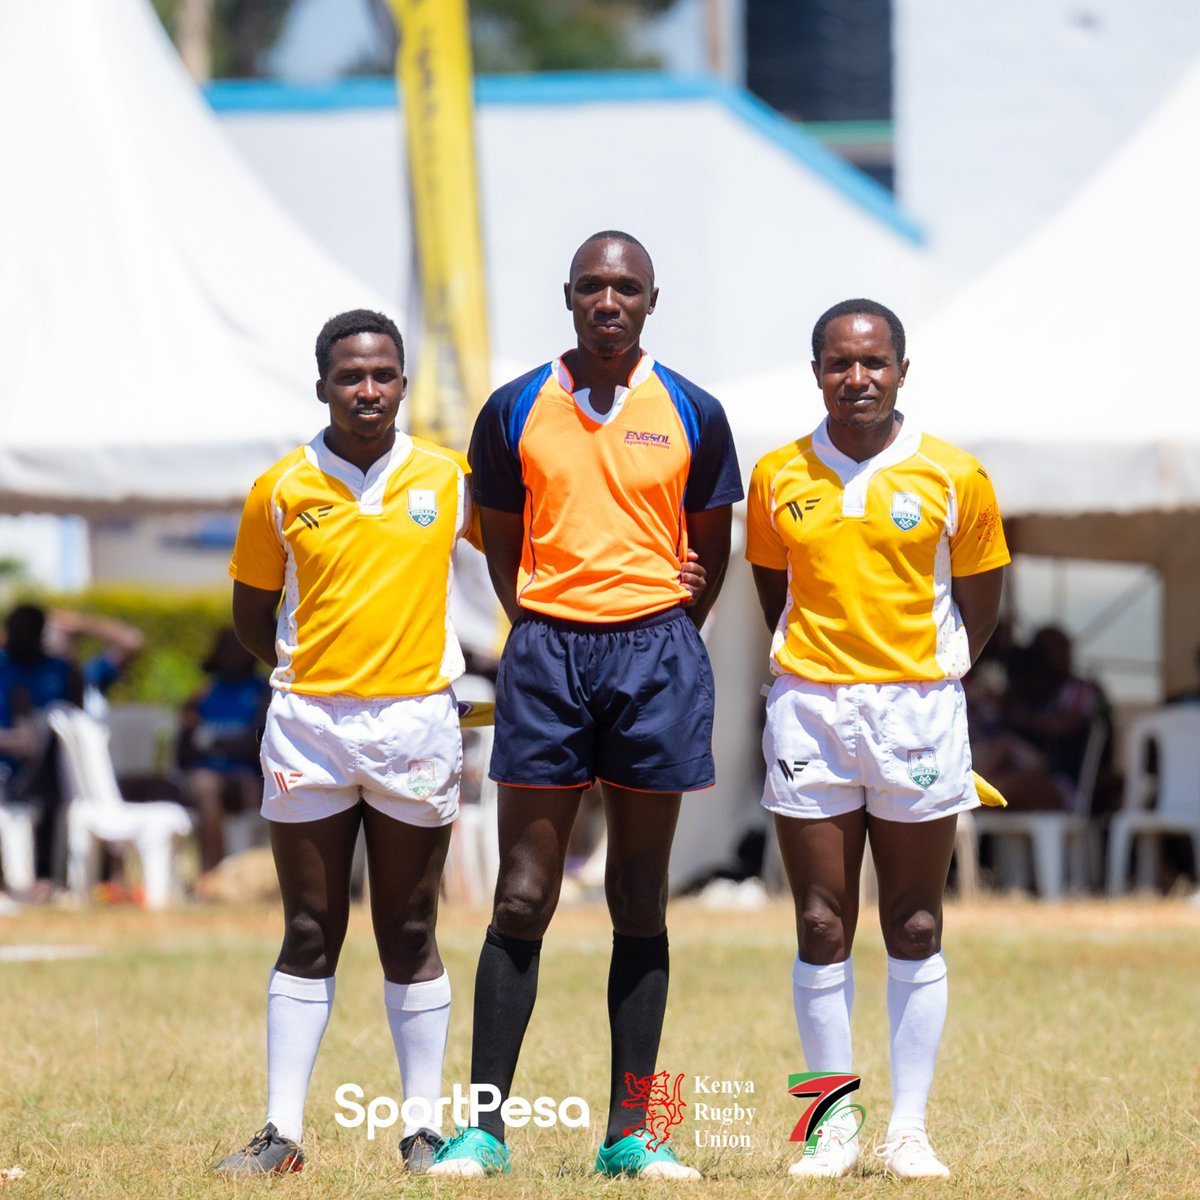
(751, 223)
(157, 307)
(1066, 370)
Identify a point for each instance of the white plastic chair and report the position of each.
(140, 738)
(16, 845)
(1060, 842)
(96, 811)
(1175, 782)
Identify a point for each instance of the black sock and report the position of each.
(505, 989)
(637, 1002)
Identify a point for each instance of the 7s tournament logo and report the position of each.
(826, 1094)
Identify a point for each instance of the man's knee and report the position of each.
(912, 935)
(311, 946)
(524, 906)
(637, 905)
(822, 932)
(406, 945)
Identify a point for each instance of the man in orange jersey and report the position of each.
(878, 555)
(342, 571)
(596, 475)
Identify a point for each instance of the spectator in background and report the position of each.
(30, 679)
(218, 743)
(120, 645)
(1032, 743)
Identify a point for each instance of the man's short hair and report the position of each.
(854, 308)
(347, 324)
(614, 235)
(26, 623)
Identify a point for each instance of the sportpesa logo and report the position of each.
(634, 437)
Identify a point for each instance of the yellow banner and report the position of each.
(433, 74)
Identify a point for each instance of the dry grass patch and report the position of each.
(1069, 1067)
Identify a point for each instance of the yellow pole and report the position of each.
(433, 75)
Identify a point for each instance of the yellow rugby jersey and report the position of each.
(364, 563)
(870, 550)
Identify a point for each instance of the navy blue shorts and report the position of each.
(630, 704)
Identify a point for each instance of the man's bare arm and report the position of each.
(503, 537)
(771, 586)
(254, 620)
(708, 534)
(978, 600)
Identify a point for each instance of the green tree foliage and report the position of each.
(507, 35)
(242, 31)
(558, 35)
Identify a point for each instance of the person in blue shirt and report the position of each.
(31, 679)
(218, 742)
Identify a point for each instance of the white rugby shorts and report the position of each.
(900, 749)
(322, 754)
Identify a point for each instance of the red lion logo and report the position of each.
(651, 1092)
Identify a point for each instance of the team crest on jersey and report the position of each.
(422, 778)
(422, 506)
(923, 768)
(906, 510)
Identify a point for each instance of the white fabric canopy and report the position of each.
(1066, 367)
(157, 307)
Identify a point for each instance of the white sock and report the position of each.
(419, 1018)
(823, 997)
(916, 999)
(297, 1013)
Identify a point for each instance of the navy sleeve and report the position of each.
(494, 453)
(713, 478)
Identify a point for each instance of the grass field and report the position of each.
(1069, 1066)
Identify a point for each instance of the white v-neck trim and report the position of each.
(367, 489)
(583, 397)
(856, 476)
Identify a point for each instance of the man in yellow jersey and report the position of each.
(878, 555)
(596, 474)
(342, 572)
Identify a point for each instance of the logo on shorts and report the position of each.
(906, 510)
(285, 779)
(422, 506)
(791, 769)
(422, 778)
(922, 767)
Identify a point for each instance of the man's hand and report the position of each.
(694, 577)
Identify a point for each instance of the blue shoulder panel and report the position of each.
(684, 405)
(527, 388)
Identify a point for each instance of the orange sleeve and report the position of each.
(259, 557)
(764, 548)
(978, 544)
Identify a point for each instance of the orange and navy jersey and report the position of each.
(364, 564)
(871, 550)
(604, 495)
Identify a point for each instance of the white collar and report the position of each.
(367, 488)
(856, 476)
(582, 398)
